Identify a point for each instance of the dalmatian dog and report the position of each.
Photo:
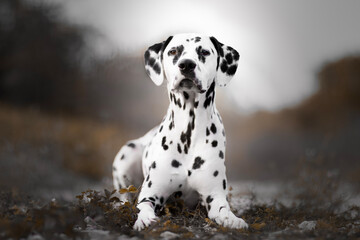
(184, 156)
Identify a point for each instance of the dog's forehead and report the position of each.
(191, 40)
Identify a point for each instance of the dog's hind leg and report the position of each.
(127, 167)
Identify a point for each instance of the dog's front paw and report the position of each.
(146, 216)
(227, 219)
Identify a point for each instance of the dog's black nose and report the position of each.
(187, 66)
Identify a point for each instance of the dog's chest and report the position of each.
(181, 138)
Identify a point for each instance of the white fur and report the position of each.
(190, 139)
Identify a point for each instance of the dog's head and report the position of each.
(191, 62)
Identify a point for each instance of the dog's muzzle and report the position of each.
(189, 84)
(189, 81)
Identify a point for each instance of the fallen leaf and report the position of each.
(258, 226)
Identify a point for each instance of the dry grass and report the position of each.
(87, 147)
(100, 212)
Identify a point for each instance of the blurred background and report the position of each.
(73, 88)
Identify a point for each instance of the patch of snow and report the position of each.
(241, 203)
(307, 225)
(98, 234)
(169, 235)
(35, 237)
(91, 224)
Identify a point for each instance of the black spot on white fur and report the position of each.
(196, 104)
(224, 184)
(210, 95)
(213, 128)
(198, 162)
(163, 143)
(132, 145)
(172, 118)
(179, 148)
(175, 163)
(185, 137)
(221, 154)
(185, 149)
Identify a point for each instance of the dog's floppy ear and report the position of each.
(153, 61)
(227, 62)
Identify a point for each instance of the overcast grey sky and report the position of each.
(282, 43)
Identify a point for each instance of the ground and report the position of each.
(272, 210)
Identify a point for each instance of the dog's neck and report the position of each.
(188, 107)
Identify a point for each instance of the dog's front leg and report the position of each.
(156, 188)
(214, 194)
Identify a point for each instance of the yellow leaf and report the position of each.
(258, 226)
(123, 190)
(167, 212)
(167, 223)
(208, 221)
(132, 189)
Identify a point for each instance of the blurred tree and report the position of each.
(325, 128)
(338, 100)
(39, 57)
(48, 63)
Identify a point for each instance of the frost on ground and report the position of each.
(100, 215)
(307, 225)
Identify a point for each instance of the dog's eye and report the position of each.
(205, 52)
(172, 52)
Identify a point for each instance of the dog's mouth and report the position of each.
(186, 83)
(190, 84)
